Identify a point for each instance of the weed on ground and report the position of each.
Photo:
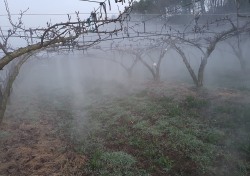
(145, 134)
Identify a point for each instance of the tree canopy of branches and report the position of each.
(206, 42)
(202, 34)
(60, 34)
(54, 37)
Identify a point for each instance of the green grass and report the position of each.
(4, 134)
(119, 163)
(193, 102)
(140, 135)
(113, 163)
(164, 162)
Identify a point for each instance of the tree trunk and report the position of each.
(155, 77)
(203, 9)
(157, 74)
(187, 64)
(241, 59)
(239, 55)
(242, 63)
(201, 72)
(158, 66)
(129, 72)
(7, 90)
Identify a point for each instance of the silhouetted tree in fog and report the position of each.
(143, 54)
(60, 36)
(206, 43)
(237, 49)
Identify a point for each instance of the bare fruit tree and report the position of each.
(150, 55)
(237, 49)
(60, 34)
(205, 41)
(128, 64)
(52, 38)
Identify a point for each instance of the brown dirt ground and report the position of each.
(180, 91)
(34, 148)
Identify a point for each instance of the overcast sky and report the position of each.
(50, 7)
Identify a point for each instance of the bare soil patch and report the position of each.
(33, 148)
